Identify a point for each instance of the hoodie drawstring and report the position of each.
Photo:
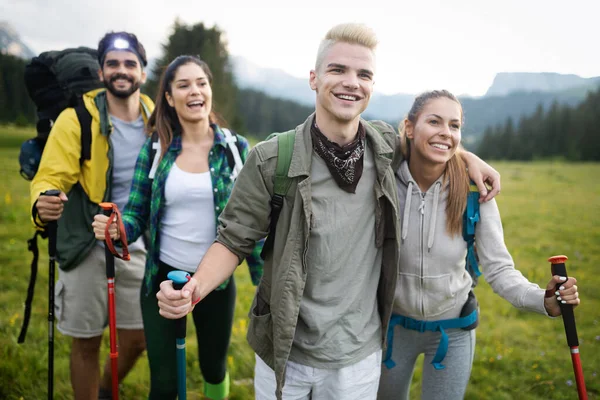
(406, 211)
(434, 211)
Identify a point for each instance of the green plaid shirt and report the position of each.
(147, 199)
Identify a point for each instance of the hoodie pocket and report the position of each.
(408, 294)
(438, 297)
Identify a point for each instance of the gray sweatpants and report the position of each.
(448, 384)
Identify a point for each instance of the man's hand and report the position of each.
(50, 208)
(175, 304)
(481, 173)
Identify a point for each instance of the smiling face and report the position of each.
(190, 93)
(435, 135)
(344, 82)
(122, 73)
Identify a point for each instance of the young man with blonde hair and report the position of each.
(318, 319)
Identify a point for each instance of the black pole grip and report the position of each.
(52, 228)
(568, 315)
(110, 259)
(180, 324)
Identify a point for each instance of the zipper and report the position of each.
(421, 222)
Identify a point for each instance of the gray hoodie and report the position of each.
(433, 283)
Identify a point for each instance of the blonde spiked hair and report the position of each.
(352, 33)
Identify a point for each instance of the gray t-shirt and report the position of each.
(126, 141)
(339, 322)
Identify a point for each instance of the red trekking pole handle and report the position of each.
(112, 211)
(559, 268)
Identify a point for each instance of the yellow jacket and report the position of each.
(86, 185)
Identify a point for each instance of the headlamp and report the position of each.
(121, 41)
(120, 44)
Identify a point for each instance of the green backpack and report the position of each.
(282, 184)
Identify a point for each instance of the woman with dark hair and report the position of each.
(178, 195)
(435, 312)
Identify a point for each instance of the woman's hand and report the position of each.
(99, 226)
(566, 294)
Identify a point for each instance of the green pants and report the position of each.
(213, 319)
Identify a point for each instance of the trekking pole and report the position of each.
(51, 229)
(558, 268)
(112, 212)
(179, 279)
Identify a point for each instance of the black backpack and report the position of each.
(56, 80)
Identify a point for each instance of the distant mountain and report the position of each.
(273, 82)
(511, 95)
(493, 110)
(278, 83)
(390, 108)
(10, 42)
(510, 82)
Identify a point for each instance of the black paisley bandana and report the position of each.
(344, 162)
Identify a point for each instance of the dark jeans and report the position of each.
(213, 318)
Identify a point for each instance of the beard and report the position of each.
(122, 94)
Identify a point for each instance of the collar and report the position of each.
(102, 104)
(218, 140)
(302, 156)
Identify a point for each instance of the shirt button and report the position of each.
(211, 153)
(217, 208)
(216, 190)
(212, 170)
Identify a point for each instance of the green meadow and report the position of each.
(547, 208)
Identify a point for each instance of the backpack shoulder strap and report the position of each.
(281, 184)
(470, 219)
(85, 122)
(285, 149)
(32, 246)
(233, 153)
(155, 152)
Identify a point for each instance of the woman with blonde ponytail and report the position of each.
(435, 311)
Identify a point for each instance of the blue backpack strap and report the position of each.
(470, 219)
(431, 326)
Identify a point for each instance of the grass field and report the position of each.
(547, 208)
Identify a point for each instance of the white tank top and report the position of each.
(188, 226)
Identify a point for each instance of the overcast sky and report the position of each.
(459, 45)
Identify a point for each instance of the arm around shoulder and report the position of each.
(481, 173)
